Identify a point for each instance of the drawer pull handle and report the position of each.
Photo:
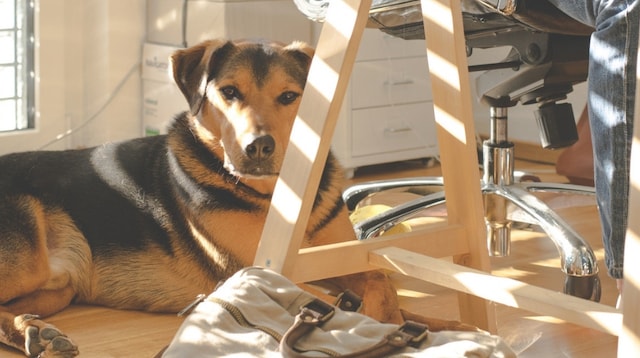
(399, 83)
(397, 130)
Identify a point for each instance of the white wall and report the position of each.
(84, 49)
(277, 20)
(112, 34)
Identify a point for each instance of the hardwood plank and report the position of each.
(107, 333)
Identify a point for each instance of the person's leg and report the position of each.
(576, 161)
(612, 84)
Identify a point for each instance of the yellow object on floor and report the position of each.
(368, 211)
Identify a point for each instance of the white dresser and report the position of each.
(387, 114)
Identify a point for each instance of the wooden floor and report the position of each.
(105, 333)
(534, 260)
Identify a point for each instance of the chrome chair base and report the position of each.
(505, 202)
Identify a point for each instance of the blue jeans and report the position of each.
(611, 86)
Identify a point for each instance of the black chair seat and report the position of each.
(403, 18)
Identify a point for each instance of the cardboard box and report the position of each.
(161, 98)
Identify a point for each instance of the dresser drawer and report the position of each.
(376, 45)
(389, 129)
(392, 81)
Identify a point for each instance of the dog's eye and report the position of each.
(230, 93)
(288, 97)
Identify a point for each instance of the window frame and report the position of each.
(50, 49)
(23, 64)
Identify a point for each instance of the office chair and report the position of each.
(549, 54)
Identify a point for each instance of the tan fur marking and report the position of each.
(63, 262)
(24, 272)
(69, 254)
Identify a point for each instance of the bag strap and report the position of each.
(317, 312)
(349, 301)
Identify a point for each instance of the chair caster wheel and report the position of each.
(587, 287)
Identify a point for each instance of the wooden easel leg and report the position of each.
(313, 129)
(311, 134)
(446, 54)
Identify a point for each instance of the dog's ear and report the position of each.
(302, 52)
(192, 70)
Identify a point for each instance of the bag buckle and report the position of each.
(349, 301)
(410, 333)
(316, 312)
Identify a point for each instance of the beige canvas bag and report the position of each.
(259, 313)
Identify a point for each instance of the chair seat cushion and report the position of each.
(403, 18)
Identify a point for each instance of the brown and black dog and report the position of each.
(148, 224)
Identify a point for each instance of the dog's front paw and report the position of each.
(43, 340)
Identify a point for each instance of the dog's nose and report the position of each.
(260, 147)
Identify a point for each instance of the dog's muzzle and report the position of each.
(260, 147)
(259, 159)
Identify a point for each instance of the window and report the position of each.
(17, 109)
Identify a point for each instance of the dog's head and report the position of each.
(244, 97)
